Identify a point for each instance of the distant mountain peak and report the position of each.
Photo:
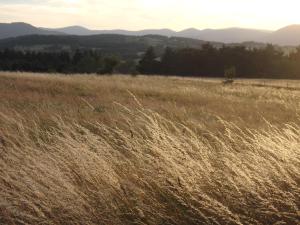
(75, 27)
(19, 23)
(8, 30)
(190, 29)
(290, 27)
(289, 35)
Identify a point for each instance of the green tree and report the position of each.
(127, 67)
(109, 65)
(167, 61)
(148, 64)
(230, 74)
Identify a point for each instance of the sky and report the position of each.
(152, 14)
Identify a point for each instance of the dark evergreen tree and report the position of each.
(148, 64)
(167, 62)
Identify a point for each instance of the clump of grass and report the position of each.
(147, 169)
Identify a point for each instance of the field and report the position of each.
(148, 150)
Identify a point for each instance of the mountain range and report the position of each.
(230, 35)
(289, 35)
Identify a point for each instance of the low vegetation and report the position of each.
(148, 150)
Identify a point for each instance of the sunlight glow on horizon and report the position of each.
(146, 14)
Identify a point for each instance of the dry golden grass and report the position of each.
(147, 150)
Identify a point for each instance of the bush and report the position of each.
(230, 74)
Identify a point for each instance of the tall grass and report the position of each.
(147, 169)
(176, 151)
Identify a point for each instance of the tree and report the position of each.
(109, 65)
(148, 64)
(229, 74)
(167, 62)
(127, 67)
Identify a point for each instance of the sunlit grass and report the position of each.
(147, 150)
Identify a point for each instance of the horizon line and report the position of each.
(163, 28)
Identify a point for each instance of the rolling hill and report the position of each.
(79, 30)
(289, 35)
(229, 35)
(122, 45)
(22, 29)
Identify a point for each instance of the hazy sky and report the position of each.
(144, 14)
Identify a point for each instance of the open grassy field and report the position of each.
(148, 150)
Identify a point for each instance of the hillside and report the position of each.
(289, 35)
(230, 35)
(127, 46)
(79, 30)
(214, 35)
(21, 29)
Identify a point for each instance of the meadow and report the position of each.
(120, 149)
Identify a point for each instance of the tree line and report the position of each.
(208, 61)
(265, 62)
(80, 61)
